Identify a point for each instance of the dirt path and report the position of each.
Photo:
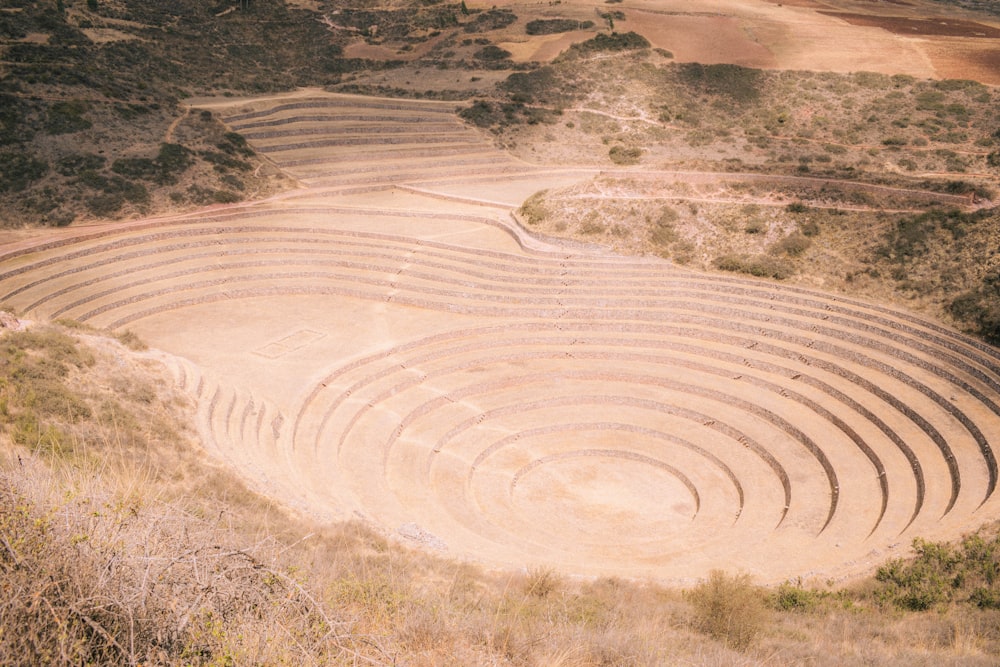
(168, 136)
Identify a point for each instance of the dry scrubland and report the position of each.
(123, 542)
(150, 553)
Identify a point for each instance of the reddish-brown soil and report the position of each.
(833, 35)
(942, 27)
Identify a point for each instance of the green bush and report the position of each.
(792, 597)
(920, 584)
(482, 114)
(232, 142)
(730, 609)
(105, 205)
(942, 573)
(136, 167)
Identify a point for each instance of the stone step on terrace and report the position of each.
(389, 156)
(421, 173)
(345, 166)
(278, 143)
(343, 103)
(398, 394)
(291, 121)
(241, 429)
(564, 300)
(353, 390)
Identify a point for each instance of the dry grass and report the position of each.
(129, 546)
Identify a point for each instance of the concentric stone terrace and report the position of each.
(423, 364)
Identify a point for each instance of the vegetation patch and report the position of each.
(603, 42)
(625, 155)
(979, 307)
(492, 19)
(553, 26)
(942, 574)
(761, 266)
(729, 608)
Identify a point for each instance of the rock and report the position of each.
(9, 322)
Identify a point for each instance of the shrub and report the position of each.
(552, 26)
(232, 142)
(131, 340)
(72, 165)
(226, 197)
(740, 84)
(481, 114)
(809, 228)
(491, 52)
(794, 244)
(534, 210)
(66, 118)
(494, 19)
(625, 155)
(924, 582)
(171, 160)
(730, 609)
(979, 309)
(135, 167)
(105, 205)
(761, 266)
(19, 170)
(625, 41)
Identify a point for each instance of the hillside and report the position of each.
(863, 183)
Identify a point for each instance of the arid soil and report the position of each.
(836, 35)
(387, 342)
